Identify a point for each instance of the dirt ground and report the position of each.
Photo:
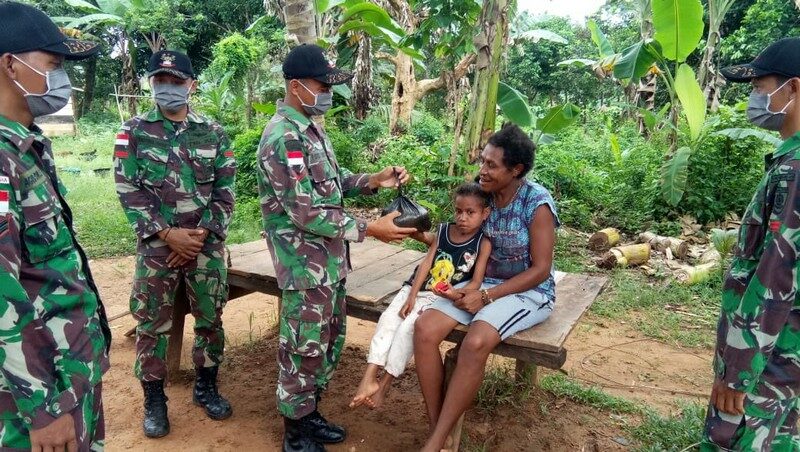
(611, 355)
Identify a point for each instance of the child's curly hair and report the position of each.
(474, 189)
(518, 148)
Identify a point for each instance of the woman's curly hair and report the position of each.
(518, 148)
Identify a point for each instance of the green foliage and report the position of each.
(372, 129)
(692, 99)
(427, 129)
(679, 26)
(245, 148)
(674, 173)
(673, 433)
(350, 152)
(723, 240)
(237, 55)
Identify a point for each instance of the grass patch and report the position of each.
(671, 433)
(690, 320)
(501, 389)
(571, 255)
(562, 386)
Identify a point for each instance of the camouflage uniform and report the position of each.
(758, 336)
(302, 189)
(176, 175)
(54, 336)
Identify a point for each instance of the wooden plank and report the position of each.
(574, 295)
(244, 249)
(366, 259)
(359, 278)
(383, 288)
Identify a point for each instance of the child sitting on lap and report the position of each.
(459, 252)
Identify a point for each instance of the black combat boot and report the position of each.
(206, 395)
(322, 430)
(156, 422)
(297, 437)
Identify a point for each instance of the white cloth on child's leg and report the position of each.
(393, 342)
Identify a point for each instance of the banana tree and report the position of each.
(515, 108)
(678, 28)
(708, 77)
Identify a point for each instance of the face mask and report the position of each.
(59, 90)
(322, 102)
(758, 111)
(170, 97)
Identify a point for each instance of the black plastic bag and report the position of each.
(412, 215)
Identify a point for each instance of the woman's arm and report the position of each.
(480, 265)
(542, 233)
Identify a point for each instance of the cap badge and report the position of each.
(167, 60)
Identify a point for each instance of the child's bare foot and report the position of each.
(366, 388)
(376, 400)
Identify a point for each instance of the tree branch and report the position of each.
(432, 84)
(387, 57)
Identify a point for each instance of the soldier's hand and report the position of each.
(184, 242)
(385, 230)
(727, 400)
(175, 260)
(58, 436)
(391, 176)
(200, 233)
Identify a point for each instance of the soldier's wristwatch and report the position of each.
(362, 226)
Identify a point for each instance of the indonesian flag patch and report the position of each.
(295, 158)
(4, 202)
(121, 144)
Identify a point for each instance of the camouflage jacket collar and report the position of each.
(21, 136)
(295, 117)
(155, 115)
(791, 144)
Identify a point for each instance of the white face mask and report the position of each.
(758, 111)
(56, 97)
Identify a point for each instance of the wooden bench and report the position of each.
(379, 270)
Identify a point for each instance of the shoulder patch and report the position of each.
(4, 180)
(293, 145)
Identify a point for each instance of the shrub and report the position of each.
(427, 129)
(371, 130)
(245, 148)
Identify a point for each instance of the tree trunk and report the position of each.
(130, 83)
(489, 42)
(363, 90)
(404, 97)
(89, 83)
(301, 22)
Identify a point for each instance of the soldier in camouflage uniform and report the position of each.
(754, 400)
(54, 336)
(302, 187)
(174, 171)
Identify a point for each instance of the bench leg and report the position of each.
(450, 359)
(525, 372)
(179, 311)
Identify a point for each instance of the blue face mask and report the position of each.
(759, 114)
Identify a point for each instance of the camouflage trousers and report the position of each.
(767, 425)
(152, 300)
(312, 331)
(87, 416)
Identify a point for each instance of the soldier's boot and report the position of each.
(207, 396)
(322, 430)
(156, 422)
(297, 436)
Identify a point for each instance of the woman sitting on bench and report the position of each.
(517, 293)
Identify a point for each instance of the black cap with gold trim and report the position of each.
(170, 62)
(24, 28)
(308, 61)
(781, 58)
